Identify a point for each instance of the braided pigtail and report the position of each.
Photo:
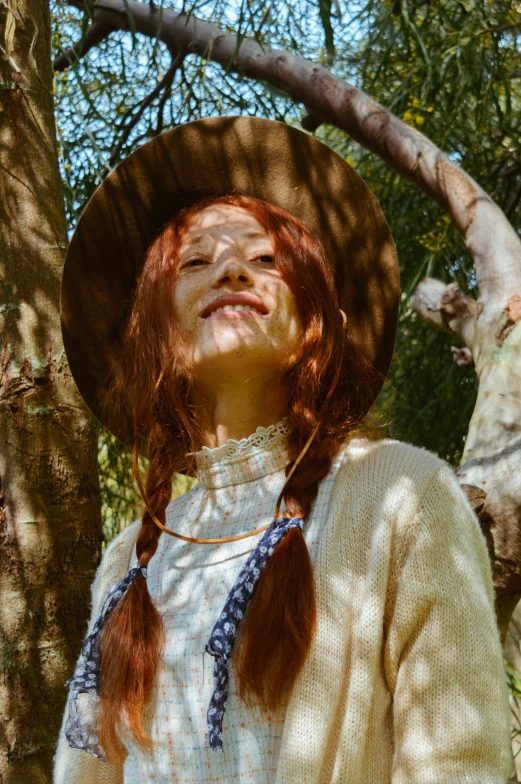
(132, 639)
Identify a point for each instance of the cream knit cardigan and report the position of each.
(404, 682)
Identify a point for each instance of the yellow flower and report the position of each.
(413, 119)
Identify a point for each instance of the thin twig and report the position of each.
(164, 84)
(177, 63)
(94, 34)
(499, 29)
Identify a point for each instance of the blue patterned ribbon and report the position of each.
(222, 639)
(81, 727)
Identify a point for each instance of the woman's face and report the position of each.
(236, 313)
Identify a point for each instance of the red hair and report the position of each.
(278, 628)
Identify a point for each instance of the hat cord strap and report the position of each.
(276, 513)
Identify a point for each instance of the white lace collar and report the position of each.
(261, 454)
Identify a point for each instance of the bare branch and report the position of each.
(490, 238)
(444, 307)
(425, 302)
(164, 84)
(95, 33)
(462, 356)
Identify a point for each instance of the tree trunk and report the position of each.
(50, 525)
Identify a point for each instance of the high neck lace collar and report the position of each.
(235, 462)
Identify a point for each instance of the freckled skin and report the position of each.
(226, 251)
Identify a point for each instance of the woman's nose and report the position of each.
(233, 270)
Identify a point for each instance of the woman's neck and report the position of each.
(236, 409)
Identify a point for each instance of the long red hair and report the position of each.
(152, 380)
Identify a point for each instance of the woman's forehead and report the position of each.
(219, 220)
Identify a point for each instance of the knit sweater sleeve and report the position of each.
(72, 766)
(442, 657)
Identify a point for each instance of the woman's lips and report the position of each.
(247, 304)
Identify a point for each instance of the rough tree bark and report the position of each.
(487, 328)
(50, 526)
(489, 337)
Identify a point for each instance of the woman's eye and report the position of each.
(266, 258)
(194, 263)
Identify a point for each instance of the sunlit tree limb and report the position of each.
(443, 306)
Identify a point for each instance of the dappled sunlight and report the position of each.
(49, 513)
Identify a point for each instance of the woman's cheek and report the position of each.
(185, 308)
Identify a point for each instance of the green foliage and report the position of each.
(451, 70)
(120, 498)
(448, 68)
(121, 501)
(514, 684)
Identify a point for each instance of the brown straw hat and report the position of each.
(215, 157)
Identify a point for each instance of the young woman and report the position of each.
(340, 586)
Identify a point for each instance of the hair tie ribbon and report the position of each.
(81, 726)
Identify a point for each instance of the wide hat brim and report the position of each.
(213, 157)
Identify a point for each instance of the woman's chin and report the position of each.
(235, 356)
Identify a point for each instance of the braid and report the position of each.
(132, 640)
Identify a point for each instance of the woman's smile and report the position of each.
(235, 312)
(228, 304)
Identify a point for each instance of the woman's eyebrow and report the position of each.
(202, 238)
(254, 234)
(196, 239)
